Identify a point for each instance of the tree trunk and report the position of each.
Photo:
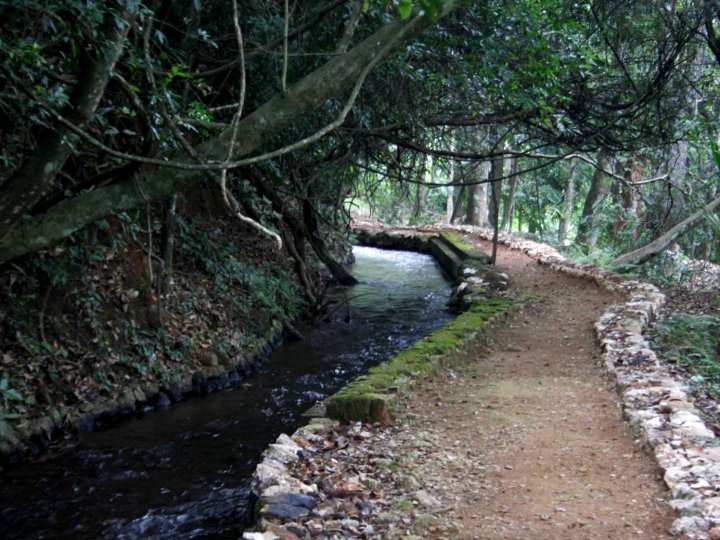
(167, 243)
(457, 205)
(477, 202)
(496, 194)
(661, 243)
(333, 78)
(482, 200)
(628, 219)
(568, 206)
(451, 190)
(28, 184)
(338, 271)
(420, 192)
(589, 228)
(509, 210)
(497, 171)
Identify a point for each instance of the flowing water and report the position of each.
(185, 472)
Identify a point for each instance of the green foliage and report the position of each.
(692, 342)
(240, 284)
(11, 397)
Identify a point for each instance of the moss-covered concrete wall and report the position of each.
(371, 397)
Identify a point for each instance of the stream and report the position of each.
(185, 472)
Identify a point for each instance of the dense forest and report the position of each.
(176, 175)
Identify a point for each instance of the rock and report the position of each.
(350, 523)
(283, 453)
(208, 358)
(425, 499)
(286, 441)
(689, 525)
(268, 472)
(297, 530)
(163, 401)
(85, 422)
(314, 528)
(293, 499)
(281, 532)
(284, 511)
(253, 536)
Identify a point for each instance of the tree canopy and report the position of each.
(110, 106)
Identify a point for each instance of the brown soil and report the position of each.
(551, 456)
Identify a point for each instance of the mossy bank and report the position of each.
(372, 397)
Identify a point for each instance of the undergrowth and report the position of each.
(692, 342)
(75, 323)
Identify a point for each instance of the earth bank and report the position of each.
(111, 336)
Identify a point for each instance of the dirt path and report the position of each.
(552, 457)
(523, 442)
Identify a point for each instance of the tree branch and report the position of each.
(27, 186)
(268, 121)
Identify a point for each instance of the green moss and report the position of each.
(373, 394)
(469, 250)
(403, 505)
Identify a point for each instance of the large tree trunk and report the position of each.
(26, 187)
(332, 79)
(509, 209)
(661, 243)
(477, 202)
(628, 219)
(589, 228)
(482, 201)
(458, 204)
(497, 171)
(568, 206)
(420, 191)
(338, 271)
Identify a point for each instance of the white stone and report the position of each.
(286, 440)
(686, 507)
(690, 525)
(283, 453)
(268, 472)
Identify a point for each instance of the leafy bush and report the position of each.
(691, 342)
